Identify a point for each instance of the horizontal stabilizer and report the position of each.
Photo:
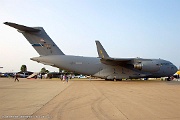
(38, 38)
(22, 27)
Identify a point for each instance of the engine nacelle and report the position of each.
(138, 66)
(147, 66)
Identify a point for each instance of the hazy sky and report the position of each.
(126, 28)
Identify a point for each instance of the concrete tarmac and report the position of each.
(89, 100)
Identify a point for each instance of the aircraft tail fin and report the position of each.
(101, 51)
(38, 38)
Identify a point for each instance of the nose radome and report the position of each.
(175, 69)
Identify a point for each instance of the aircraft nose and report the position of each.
(175, 69)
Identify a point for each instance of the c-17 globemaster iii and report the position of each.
(102, 66)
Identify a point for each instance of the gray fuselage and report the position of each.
(93, 66)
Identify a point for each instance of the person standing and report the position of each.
(67, 78)
(64, 78)
(114, 78)
(61, 77)
(41, 76)
(16, 78)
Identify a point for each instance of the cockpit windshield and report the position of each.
(162, 64)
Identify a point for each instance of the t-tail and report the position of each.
(39, 39)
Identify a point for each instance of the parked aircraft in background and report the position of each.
(102, 66)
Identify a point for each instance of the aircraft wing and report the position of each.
(116, 61)
(108, 60)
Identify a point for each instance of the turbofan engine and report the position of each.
(147, 66)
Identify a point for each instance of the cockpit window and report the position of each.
(166, 64)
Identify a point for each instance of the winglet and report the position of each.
(101, 51)
(22, 27)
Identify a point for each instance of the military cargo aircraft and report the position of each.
(103, 66)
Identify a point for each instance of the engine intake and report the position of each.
(138, 66)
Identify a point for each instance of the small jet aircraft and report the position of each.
(103, 66)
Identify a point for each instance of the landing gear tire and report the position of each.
(169, 79)
(119, 79)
